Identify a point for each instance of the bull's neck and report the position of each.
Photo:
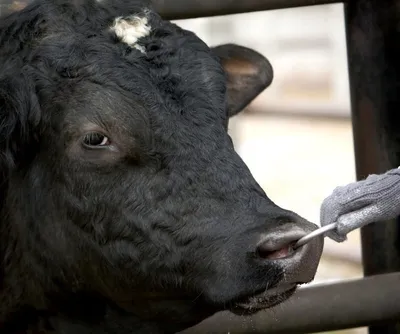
(110, 323)
(115, 323)
(84, 317)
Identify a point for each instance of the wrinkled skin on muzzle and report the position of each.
(125, 207)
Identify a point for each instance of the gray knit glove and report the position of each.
(375, 199)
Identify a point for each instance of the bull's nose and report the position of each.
(300, 264)
(274, 247)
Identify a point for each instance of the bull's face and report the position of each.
(123, 181)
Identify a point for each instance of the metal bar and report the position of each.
(318, 308)
(374, 72)
(185, 9)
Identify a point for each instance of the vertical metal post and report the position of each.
(373, 43)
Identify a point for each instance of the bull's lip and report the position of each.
(265, 300)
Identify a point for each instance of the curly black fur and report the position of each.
(152, 234)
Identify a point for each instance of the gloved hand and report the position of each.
(375, 199)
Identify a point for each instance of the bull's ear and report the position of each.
(248, 74)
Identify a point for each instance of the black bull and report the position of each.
(124, 207)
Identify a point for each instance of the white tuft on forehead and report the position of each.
(132, 28)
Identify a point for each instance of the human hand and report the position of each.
(375, 199)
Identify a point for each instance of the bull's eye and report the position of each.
(95, 140)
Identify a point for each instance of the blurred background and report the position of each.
(296, 137)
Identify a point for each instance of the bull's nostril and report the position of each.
(279, 244)
(265, 252)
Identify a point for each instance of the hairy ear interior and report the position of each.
(248, 74)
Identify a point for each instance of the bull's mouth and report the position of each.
(264, 300)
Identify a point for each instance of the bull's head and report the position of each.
(122, 192)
